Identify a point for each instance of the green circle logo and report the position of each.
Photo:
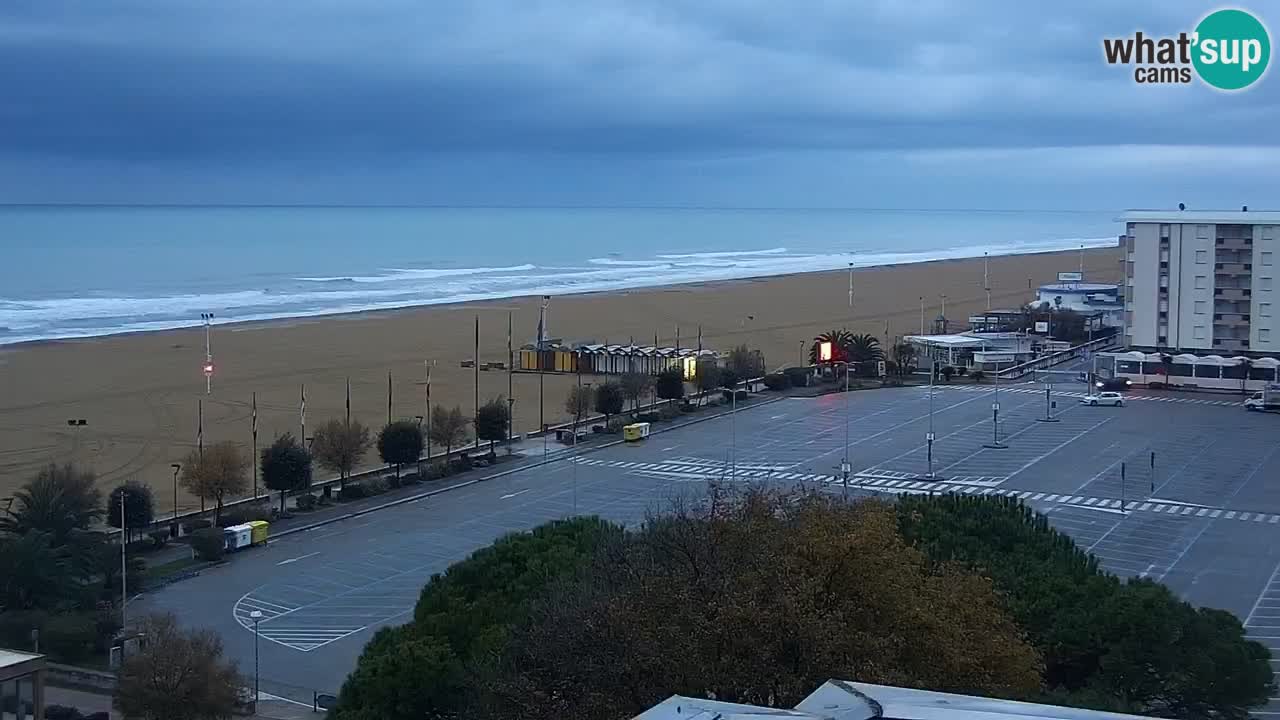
(1232, 49)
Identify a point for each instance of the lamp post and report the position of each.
(124, 574)
(207, 318)
(845, 465)
(256, 616)
(928, 437)
(177, 468)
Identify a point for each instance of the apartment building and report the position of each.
(1202, 282)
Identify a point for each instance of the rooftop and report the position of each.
(1078, 287)
(845, 700)
(1216, 217)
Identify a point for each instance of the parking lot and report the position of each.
(1201, 518)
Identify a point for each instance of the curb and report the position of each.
(504, 473)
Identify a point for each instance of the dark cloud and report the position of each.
(625, 96)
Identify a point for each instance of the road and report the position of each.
(1203, 520)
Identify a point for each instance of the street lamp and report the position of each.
(256, 616)
(928, 438)
(845, 465)
(207, 318)
(177, 467)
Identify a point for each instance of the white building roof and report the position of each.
(13, 658)
(1213, 217)
(845, 700)
(1079, 287)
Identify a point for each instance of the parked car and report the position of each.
(1104, 398)
(1113, 384)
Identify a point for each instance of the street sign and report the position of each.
(995, 406)
(845, 468)
(1070, 276)
(1042, 326)
(928, 437)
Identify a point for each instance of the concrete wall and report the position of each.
(1145, 289)
(1195, 283)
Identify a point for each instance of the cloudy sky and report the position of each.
(889, 103)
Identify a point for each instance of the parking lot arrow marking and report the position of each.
(294, 560)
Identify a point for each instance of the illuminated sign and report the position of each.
(824, 352)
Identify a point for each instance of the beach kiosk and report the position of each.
(635, 432)
(258, 531)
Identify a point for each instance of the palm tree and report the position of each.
(863, 348)
(904, 353)
(60, 500)
(839, 340)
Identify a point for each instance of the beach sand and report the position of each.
(139, 393)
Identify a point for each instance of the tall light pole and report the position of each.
(124, 575)
(850, 286)
(986, 278)
(207, 317)
(845, 465)
(177, 467)
(995, 443)
(928, 437)
(922, 315)
(256, 616)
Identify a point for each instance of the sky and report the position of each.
(1000, 104)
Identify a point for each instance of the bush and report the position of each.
(616, 425)
(434, 471)
(376, 485)
(69, 638)
(61, 712)
(777, 381)
(242, 514)
(649, 417)
(412, 478)
(353, 491)
(462, 463)
(194, 525)
(305, 501)
(669, 411)
(159, 538)
(207, 544)
(799, 377)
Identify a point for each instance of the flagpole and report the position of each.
(302, 416)
(389, 397)
(511, 360)
(200, 442)
(255, 446)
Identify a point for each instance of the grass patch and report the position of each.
(163, 570)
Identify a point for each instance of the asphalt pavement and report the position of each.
(1202, 518)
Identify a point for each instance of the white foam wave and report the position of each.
(402, 274)
(26, 320)
(723, 254)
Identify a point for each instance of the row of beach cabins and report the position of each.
(603, 359)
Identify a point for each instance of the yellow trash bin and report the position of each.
(259, 531)
(635, 431)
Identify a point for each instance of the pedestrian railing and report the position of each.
(1041, 363)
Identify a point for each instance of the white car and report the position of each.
(1104, 398)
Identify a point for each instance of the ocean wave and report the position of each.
(44, 319)
(403, 274)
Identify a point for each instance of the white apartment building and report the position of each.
(1202, 282)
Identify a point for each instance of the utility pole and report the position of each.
(476, 415)
(302, 415)
(389, 397)
(208, 354)
(254, 433)
(511, 397)
(922, 315)
(995, 443)
(850, 286)
(1121, 487)
(200, 441)
(986, 278)
(928, 438)
(426, 384)
(124, 575)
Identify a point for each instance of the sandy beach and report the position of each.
(139, 393)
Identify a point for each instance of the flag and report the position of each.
(348, 400)
(200, 425)
(302, 414)
(699, 339)
(255, 414)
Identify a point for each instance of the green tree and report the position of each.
(493, 421)
(608, 400)
(756, 599)
(339, 446)
(219, 472)
(286, 466)
(745, 362)
(138, 507)
(427, 668)
(177, 675)
(905, 355)
(1133, 643)
(35, 573)
(400, 443)
(670, 384)
(448, 427)
(60, 500)
(864, 351)
(707, 379)
(729, 378)
(579, 401)
(636, 385)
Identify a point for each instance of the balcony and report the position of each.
(1232, 268)
(1228, 293)
(1230, 320)
(1235, 243)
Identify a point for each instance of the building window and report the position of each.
(1268, 232)
(1202, 307)
(1264, 309)
(1264, 283)
(1164, 231)
(1266, 257)
(1198, 332)
(1202, 231)
(1264, 335)
(1202, 282)
(1202, 257)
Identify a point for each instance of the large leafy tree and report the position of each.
(864, 348)
(427, 667)
(60, 500)
(635, 385)
(177, 675)
(286, 466)
(745, 362)
(1130, 646)
(493, 421)
(36, 574)
(400, 443)
(219, 472)
(448, 427)
(339, 446)
(670, 384)
(758, 599)
(608, 400)
(138, 507)
(579, 400)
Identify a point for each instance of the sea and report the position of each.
(77, 271)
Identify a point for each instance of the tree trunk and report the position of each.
(397, 472)
(282, 492)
